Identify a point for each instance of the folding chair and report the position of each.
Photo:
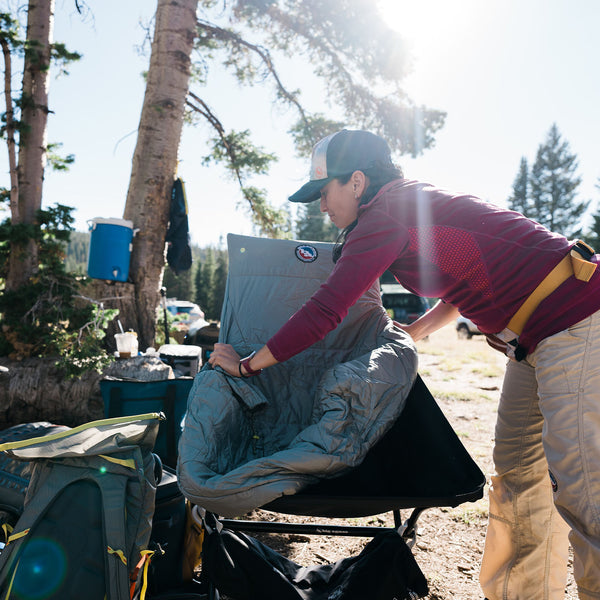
(418, 462)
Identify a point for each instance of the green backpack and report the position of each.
(87, 517)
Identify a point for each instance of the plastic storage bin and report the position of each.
(110, 249)
(184, 358)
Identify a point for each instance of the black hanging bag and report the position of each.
(179, 252)
(243, 568)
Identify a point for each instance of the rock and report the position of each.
(140, 368)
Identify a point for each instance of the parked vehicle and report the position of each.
(466, 329)
(403, 306)
(185, 309)
(186, 315)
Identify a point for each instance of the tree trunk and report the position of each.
(155, 157)
(32, 137)
(10, 130)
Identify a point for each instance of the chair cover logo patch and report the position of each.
(306, 253)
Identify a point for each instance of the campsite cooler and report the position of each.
(110, 249)
(126, 397)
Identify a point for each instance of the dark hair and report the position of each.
(379, 175)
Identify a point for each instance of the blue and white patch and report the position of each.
(306, 253)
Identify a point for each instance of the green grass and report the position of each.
(486, 370)
(471, 514)
(451, 395)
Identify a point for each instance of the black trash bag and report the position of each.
(179, 252)
(243, 568)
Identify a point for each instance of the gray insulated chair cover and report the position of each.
(246, 442)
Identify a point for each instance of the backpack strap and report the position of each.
(143, 566)
(16, 536)
(12, 580)
(119, 564)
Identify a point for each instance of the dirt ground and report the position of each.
(465, 377)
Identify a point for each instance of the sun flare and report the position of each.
(429, 21)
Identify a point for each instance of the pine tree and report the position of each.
(554, 184)
(76, 252)
(220, 283)
(519, 200)
(205, 282)
(312, 225)
(24, 127)
(178, 286)
(593, 235)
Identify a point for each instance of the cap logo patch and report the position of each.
(306, 253)
(318, 163)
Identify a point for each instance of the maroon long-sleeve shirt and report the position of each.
(482, 259)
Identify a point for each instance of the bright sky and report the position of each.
(503, 70)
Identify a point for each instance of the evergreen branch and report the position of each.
(321, 45)
(235, 148)
(340, 53)
(205, 111)
(228, 36)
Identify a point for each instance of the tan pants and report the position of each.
(547, 461)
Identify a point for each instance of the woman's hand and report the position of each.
(227, 358)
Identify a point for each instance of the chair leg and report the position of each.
(213, 592)
(409, 532)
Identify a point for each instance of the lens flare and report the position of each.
(41, 570)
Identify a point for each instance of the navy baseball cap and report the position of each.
(342, 153)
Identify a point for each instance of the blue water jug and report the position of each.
(110, 249)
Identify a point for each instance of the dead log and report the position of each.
(34, 389)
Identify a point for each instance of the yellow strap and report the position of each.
(561, 272)
(12, 580)
(119, 553)
(572, 264)
(582, 269)
(147, 554)
(17, 535)
(129, 462)
(133, 576)
(7, 531)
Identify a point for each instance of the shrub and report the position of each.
(49, 315)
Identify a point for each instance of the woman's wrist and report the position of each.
(245, 368)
